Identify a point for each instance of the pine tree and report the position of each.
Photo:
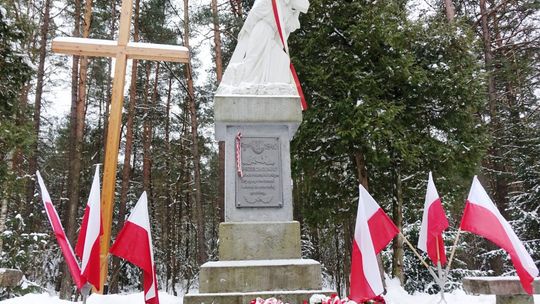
(402, 96)
(14, 73)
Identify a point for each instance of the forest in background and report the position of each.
(395, 90)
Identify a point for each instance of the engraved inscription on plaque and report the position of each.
(261, 184)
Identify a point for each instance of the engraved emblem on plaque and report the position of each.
(261, 185)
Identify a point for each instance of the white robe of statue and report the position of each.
(260, 63)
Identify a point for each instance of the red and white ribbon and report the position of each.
(293, 70)
(238, 142)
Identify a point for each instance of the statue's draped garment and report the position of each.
(260, 58)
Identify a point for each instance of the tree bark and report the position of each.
(3, 217)
(167, 242)
(201, 241)
(221, 150)
(397, 245)
(147, 133)
(450, 10)
(217, 42)
(494, 161)
(18, 158)
(74, 161)
(361, 169)
(32, 162)
(236, 6)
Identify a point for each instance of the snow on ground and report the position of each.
(396, 295)
(135, 298)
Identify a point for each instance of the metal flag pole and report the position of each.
(442, 277)
(441, 282)
(85, 292)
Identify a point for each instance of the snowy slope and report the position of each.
(396, 295)
(135, 298)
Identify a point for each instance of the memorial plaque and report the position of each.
(261, 184)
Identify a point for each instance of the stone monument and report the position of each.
(257, 112)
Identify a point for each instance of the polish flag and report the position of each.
(482, 217)
(67, 251)
(373, 231)
(88, 244)
(134, 243)
(434, 222)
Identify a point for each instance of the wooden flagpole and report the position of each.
(420, 257)
(447, 270)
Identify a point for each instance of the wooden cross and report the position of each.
(122, 50)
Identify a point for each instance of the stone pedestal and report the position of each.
(258, 260)
(10, 277)
(264, 126)
(507, 290)
(259, 244)
(256, 241)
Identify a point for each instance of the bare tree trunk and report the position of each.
(201, 242)
(450, 10)
(361, 169)
(32, 163)
(348, 236)
(147, 134)
(221, 151)
(498, 181)
(74, 161)
(77, 137)
(128, 150)
(3, 217)
(236, 6)
(337, 272)
(217, 42)
(149, 130)
(18, 158)
(397, 245)
(167, 243)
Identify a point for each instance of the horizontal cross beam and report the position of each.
(109, 48)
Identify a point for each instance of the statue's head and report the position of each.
(295, 7)
(301, 6)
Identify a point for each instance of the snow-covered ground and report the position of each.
(135, 298)
(396, 295)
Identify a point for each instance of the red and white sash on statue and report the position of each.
(293, 70)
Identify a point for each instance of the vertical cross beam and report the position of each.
(113, 137)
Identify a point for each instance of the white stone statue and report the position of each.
(260, 64)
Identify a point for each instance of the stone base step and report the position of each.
(255, 275)
(259, 241)
(292, 297)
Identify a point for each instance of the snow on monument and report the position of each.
(260, 64)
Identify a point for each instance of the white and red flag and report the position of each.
(373, 231)
(60, 234)
(482, 217)
(434, 222)
(88, 244)
(134, 243)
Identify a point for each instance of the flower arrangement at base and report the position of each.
(334, 299)
(321, 299)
